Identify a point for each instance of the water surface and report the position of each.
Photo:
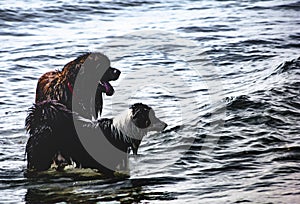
(223, 74)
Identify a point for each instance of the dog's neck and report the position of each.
(123, 123)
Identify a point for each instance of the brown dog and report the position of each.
(58, 85)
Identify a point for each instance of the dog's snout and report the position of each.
(165, 125)
(116, 72)
(111, 74)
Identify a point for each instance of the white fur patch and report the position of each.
(124, 123)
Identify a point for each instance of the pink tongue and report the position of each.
(109, 90)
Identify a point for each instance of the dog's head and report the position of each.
(91, 65)
(144, 120)
(136, 123)
(101, 65)
(144, 117)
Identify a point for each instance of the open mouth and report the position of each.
(111, 74)
(107, 88)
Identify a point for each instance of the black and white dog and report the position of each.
(53, 136)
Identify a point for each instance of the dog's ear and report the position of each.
(135, 113)
(136, 109)
(133, 110)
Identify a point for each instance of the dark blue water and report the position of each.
(223, 74)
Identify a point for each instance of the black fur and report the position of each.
(52, 132)
(140, 115)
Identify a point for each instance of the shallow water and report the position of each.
(220, 73)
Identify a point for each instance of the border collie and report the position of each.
(58, 85)
(53, 136)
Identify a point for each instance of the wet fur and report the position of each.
(57, 85)
(53, 137)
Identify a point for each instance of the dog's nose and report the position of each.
(165, 125)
